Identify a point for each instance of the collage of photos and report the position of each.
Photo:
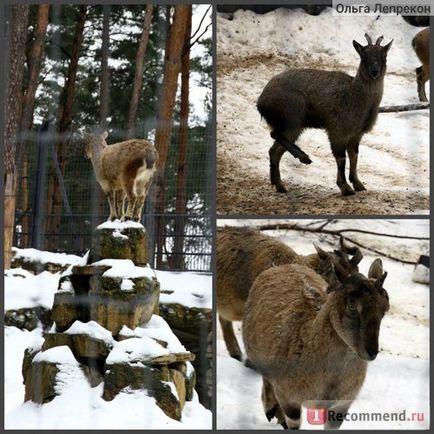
(216, 217)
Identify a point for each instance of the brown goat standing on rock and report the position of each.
(420, 45)
(311, 341)
(345, 106)
(122, 170)
(243, 254)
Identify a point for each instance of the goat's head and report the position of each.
(358, 305)
(336, 266)
(92, 141)
(372, 57)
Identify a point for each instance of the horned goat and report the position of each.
(243, 254)
(345, 106)
(311, 341)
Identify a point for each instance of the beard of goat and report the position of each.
(345, 107)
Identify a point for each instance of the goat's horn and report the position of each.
(379, 40)
(368, 38)
(357, 257)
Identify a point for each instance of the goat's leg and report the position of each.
(112, 204)
(341, 181)
(275, 153)
(119, 200)
(270, 404)
(339, 411)
(421, 77)
(353, 154)
(287, 140)
(137, 213)
(128, 188)
(230, 338)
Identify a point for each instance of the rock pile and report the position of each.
(106, 324)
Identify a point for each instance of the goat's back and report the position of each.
(130, 156)
(281, 302)
(421, 45)
(242, 254)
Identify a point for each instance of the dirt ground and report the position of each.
(397, 180)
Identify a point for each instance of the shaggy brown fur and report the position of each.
(123, 170)
(421, 47)
(243, 254)
(310, 340)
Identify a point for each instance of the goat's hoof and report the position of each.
(346, 190)
(271, 413)
(305, 159)
(236, 356)
(358, 186)
(280, 187)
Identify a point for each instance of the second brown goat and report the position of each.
(244, 253)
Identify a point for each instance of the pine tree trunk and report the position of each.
(181, 174)
(172, 67)
(138, 76)
(34, 61)
(65, 122)
(105, 73)
(16, 39)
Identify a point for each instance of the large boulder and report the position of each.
(116, 240)
(29, 318)
(41, 377)
(113, 293)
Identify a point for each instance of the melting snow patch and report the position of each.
(134, 350)
(92, 329)
(127, 285)
(62, 355)
(119, 226)
(33, 290)
(33, 255)
(156, 328)
(125, 268)
(186, 288)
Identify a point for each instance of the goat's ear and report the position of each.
(358, 47)
(386, 48)
(321, 253)
(376, 269)
(104, 135)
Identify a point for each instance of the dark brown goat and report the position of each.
(345, 106)
(421, 47)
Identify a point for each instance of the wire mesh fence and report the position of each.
(59, 201)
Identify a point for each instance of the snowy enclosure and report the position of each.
(398, 379)
(394, 156)
(77, 404)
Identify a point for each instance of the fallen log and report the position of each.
(404, 108)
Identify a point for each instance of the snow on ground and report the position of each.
(394, 156)
(397, 380)
(29, 290)
(186, 288)
(79, 406)
(33, 255)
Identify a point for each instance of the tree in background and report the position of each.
(34, 62)
(16, 52)
(139, 68)
(181, 170)
(172, 68)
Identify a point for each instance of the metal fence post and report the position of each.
(40, 180)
